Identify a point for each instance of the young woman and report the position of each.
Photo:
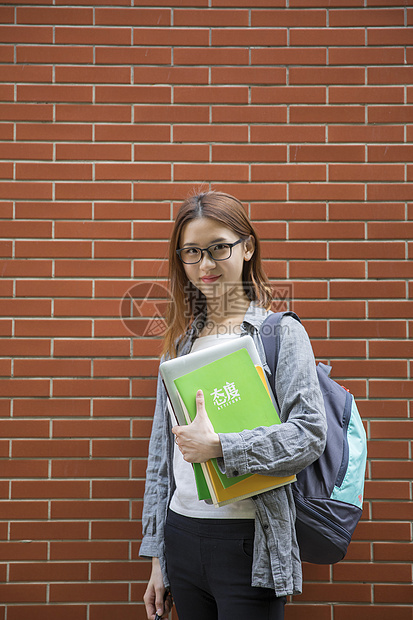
(238, 561)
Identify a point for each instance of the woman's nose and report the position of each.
(207, 256)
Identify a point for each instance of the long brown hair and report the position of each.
(187, 303)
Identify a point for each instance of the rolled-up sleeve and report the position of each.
(284, 449)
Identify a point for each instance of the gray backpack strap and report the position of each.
(271, 340)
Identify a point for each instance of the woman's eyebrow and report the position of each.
(197, 245)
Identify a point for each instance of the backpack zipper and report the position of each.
(314, 513)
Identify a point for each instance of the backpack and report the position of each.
(328, 493)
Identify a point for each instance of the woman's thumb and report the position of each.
(200, 401)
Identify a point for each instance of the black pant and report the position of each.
(209, 565)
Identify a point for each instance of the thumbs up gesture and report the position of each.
(198, 441)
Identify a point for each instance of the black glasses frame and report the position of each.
(231, 245)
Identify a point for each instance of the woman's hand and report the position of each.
(198, 441)
(154, 595)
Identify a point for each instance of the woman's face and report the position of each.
(203, 232)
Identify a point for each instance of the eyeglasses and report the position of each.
(217, 251)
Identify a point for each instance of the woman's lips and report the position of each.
(210, 278)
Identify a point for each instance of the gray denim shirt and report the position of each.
(280, 450)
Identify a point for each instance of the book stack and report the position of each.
(237, 397)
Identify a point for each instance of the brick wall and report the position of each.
(109, 114)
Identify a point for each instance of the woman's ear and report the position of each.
(249, 248)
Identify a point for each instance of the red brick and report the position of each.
(363, 572)
(210, 133)
(203, 172)
(136, 16)
(366, 56)
(169, 75)
(365, 250)
(53, 571)
(390, 449)
(26, 34)
(391, 470)
(49, 489)
(387, 510)
(134, 56)
(90, 387)
(326, 191)
(52, 288)
(53, 15)
(393, 593)
(119, 571)
(210, 94)
(390, 114)
(133, 94)
(88, 592)
(119, 448)
(242, 37)
(55, 54)
(366, 17)
(11, 268)
(49, 448)
(22, 387)
(326, 75)
(380, 309)
(53, 171)
(288, 172)
(54, 328)
(47, 530)
(212, 17)
(368, 328)
(25, 73)
(90, 468)
(55, 92)
(327, 269)
(367, 212)
(26, 112)
(92, 269)
(93, 36)
(327, 36)
(389, 36)
(61, 210)
(47, 612)
(288, 95)
(336, 592)
(249, 114)
(171, 36)
(288, 18)
(327, 114)
(91, 428)
(200, 56)
(24, 510)
(171, 114)
(117, 488)
(126, 612)
(366, 172)
(131, 172)
(398, 552)
(369, 612)
(368, 290)
(52, 368)
(88, 509)
(52, 248)
(379, 133)
(390, 269)
(288, 56)
(96, 113)
(132, 133)
(14, 593)
(390, 153)
(326, 230)
(93, 191)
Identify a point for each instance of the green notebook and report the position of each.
(235, 398)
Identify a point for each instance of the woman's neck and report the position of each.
(227, 311)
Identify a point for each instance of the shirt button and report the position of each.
(235, 472)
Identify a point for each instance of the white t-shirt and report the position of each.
(185, 499)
